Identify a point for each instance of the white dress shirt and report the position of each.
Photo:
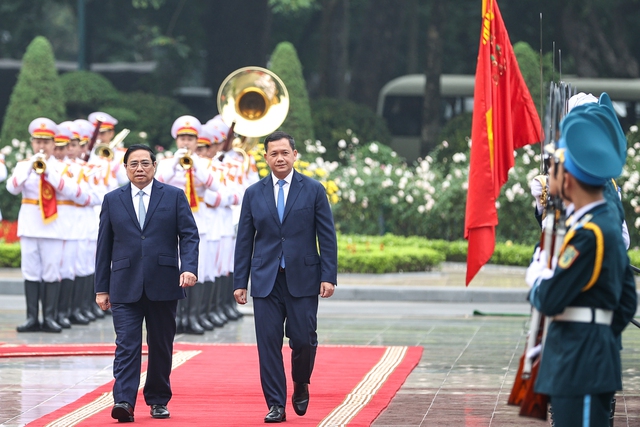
(147, 196)
(285, 187)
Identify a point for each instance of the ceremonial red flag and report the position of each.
(190, 190)
(47, 200)
(504, 119)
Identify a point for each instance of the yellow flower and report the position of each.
(334, 198)
(332, 187)
(263, 172)
(321, 172)
(261, 165)
(307, 173)
(303, 164)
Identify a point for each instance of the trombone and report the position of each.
(106, 150)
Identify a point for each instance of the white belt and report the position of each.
(585, 315)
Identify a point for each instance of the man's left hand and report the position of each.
(187, 279)
(327, 289)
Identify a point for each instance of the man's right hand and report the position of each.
(240, 295)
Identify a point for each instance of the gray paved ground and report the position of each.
(463, 378)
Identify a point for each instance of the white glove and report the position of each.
(178, 155)
(51, 175)
(536, 192)
(538, 268)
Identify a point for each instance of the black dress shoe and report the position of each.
(300, 398)
(276, 415)
(159, 411)
(123, 412)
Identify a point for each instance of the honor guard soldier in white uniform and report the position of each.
(42, 182)
(69, 218)
(190, 172)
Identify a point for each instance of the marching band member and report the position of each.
(42, 181)
(190, 172)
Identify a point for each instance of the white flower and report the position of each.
(142, 135)
(355, 140)
(159, 156)
(465, 185)
(400, 193)
(631, 152)
(368, 161)
(421, 209)
(366, 170)
(386, 183)
(497, 204)
(399, 172)
(457, 173)
(526, 159)
(15, 143)
(321, 150)
(352, 198)
(19, 156)
(311, 149)
(353, 171)
(358, 181)
(459, 158)
(409, 198)
(342, 144)
(445, 144)
(6, 150)
(394, 200)
(394, 154)
(446, 184)
(636, 145)
(430, 204)
(637, 223)
(633, 129)
(373, 148)
(349, 132)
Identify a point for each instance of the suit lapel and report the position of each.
(294, 191)
(127, 201)
(268, 194)
(154, 201)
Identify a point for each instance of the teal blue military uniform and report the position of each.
(591, 294)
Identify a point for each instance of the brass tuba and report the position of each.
(256, 100)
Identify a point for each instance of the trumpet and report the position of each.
(186, 161)
(106, 150)
(39, 165)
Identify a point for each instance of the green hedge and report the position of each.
(9, 255)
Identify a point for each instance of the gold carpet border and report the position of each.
(106, 399)
(364, 391)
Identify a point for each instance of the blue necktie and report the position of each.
(142, 213)
(280, 207)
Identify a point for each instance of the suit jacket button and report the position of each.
(142, 237)
(283, 239)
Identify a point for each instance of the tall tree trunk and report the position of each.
(431, 106)
(238, 32)
(413, 24)
(334, 49)
(376, 59)
(594, 50)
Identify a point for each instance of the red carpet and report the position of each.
(218, 385)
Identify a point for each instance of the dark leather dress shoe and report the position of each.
(159, 411)
(300, 398)
(276, 415)
(123, 412)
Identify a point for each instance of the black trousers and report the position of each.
(582, 411)
(160, 319)
(277, 315)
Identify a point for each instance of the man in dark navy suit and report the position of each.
(147, 253)
(285, 218)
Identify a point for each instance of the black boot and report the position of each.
(50, 292)
(192, 325)
(227, 299)
(219, 300)
(88, 298)
(97, 311)
(204, 295)
(31, 294)
(213, 316)
(232, 300)
(76, 317)
(64, 303)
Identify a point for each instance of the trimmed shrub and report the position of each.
(86, 92)
(37, 93)
(334, 120)
(286, 65)
(10, 255)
